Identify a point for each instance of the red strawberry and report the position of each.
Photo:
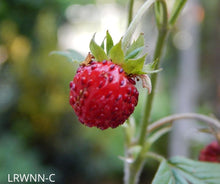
(211, 153)
(102, 95)
(102, 92)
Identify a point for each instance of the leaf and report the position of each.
(97, 51)
(76, 55)
(136, 47)
(109, 42)
(71, 55)
(183, 171)
(103, 44)
(164, 174)
(150, 67)
(134, 53)
(134, 66)
(116, 54)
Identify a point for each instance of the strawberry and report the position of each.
(102, 95)
(102, 92)
(211, 153)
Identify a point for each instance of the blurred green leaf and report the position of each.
(182, 170)
(133, 53)
(71, 55)
(136, 47)
(150, 67)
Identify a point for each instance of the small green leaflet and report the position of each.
(134, 53)
(109, 42)
(134, 66)
(116, 54)
(103, 44)
(97, 51)
(150, 68)
(71, 55)
(136, 47)
(179, 170)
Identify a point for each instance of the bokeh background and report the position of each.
(39, 132)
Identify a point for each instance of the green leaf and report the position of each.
(71, 55)
(164, 174)
(134, 53)
(137, 45)
(76, 55)
(183, 171)
(150, 68)
(134, 66)
(109, 42)
(117, 54)
(97, 51)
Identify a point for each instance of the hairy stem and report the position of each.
(134, 169)
(155, 156)
(157, 56)
(130, 11)
(178, 6)
(169, 119)
(128, 35)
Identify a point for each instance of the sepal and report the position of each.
(116, 54)
(150, 67)
(97, 50)
(134, 66)
(136, 47)
(109, 42)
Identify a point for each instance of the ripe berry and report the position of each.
(211, 153)
(102, 95)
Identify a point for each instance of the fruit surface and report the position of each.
(211, 153)
(102, 95)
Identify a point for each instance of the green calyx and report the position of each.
(131, 60)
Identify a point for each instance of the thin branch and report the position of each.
(169, 119)
(133, 25)
(155, 156)
(130, 11)
(162, 33)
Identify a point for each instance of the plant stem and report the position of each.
(130, 11)
(155, 156)
(210, 121)
(133, 170)
(162, 33)
(178, 6)
(128, 35)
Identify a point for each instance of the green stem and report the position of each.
(178, 6)
(148, 106)
(155, 156)
(212, 122)
(130, 11)
(162, 33)
(133, 170)
(133, 25)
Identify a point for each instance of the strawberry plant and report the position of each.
(103, 94)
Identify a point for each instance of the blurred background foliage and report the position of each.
(39, 131)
